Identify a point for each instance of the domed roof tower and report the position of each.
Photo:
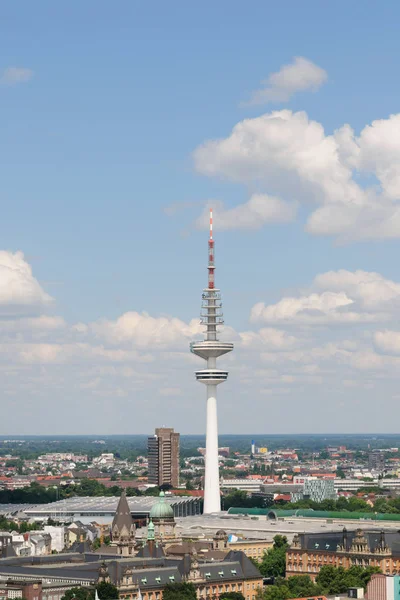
(163, 519)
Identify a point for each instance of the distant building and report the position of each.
(316, 490)
(376, 461)
(163, 457)
(247, 485)
(352, 485)
(223, 451)
(30, 590)
(383, 587)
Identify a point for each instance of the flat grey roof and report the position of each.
(262, 528)
(102, 504)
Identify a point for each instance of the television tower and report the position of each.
(210, 349)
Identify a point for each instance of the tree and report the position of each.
(232, 596)
(336, 580)
(107, 591)
(179, 591)
(280, 541)
(78, 593)
(301, 586)
(273, 563)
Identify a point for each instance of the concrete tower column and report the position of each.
(212, 497)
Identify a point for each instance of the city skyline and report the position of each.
(121, 130)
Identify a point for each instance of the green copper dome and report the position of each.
(162, 510)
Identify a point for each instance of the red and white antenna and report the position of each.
(211, 266)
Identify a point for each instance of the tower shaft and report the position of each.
(212, 496)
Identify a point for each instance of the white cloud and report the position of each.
(267, 337)
(379, 152)
(370, 289)
(19, 290)
(253, 214)
(348, 297)
(321, 308)
(42, 324)
(289, 156)
(15, 75)
(387, 341)
(285, 151)
(300, 75)
(71, 353)
(143, 330)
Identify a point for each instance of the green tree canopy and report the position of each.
(179, 591)
(107, 591)
(336, 580)
(273, 562)
(232, 596)
(78, 593)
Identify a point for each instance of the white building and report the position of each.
(247, 485)
(57, 537)
(316, 489)
(353, 485)
(104, 460)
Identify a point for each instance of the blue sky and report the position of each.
(102, 189)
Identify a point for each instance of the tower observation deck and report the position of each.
(210, 349)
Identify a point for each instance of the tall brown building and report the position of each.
(163, 456)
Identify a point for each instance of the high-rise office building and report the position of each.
(376, 461)
(163, 456)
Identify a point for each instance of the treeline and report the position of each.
(38, 494)
(353, 504)
(6, 525)
(239, 498)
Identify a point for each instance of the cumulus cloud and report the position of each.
(370, 289)
(283, 150)
(298, 76)
(348, 297)
(321, 308)
(253, 214)
(19, 290)
(289, 156)
(143, 330)
(267, 337)
(15, 75)
(387, 341)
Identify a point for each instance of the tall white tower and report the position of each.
(210, 349)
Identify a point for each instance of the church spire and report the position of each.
(123, 528)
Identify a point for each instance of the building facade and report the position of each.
(376, 461)
(163, 457)
(316, 489)
(308, 553)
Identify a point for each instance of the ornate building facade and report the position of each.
(308, 553)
